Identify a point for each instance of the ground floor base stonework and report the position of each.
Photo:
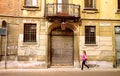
(44, 65)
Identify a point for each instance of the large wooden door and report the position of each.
(61, 48)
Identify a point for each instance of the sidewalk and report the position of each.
(63, 69)
(60, 72)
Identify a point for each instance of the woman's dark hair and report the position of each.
(84, 52)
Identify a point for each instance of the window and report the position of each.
(59, 6)
(90, 35)
(30, 2)
(90, 4)
(29, 32)
(118, 6)
(62, 7)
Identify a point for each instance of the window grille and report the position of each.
(90, 4)
(90, 35)
(29, 32)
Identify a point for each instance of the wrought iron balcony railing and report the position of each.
(63, 11)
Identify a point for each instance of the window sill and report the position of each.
(29, 43)
(118, 11)
(90, 10)
(34, 8)
(30, 6)
(24, 44)
(91, 45)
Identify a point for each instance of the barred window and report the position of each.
(90, 35)
(29, 32)
(90, 4)
(30, 2)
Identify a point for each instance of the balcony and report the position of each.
(63, 12)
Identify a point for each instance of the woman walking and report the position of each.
(84, 58)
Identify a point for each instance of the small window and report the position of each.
(90, 4)
(90, 35)
(30, 2)
(29, 32)
(118, 6)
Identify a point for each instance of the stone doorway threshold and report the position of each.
(61, 66)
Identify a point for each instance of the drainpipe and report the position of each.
(4, 33)
(6, 49)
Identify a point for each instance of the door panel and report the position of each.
(117, 39)
(62, 50)
(118, 48)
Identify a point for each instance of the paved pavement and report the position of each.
(59, 72)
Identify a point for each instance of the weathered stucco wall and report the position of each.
(36, 54)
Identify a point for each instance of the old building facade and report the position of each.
(53, 33)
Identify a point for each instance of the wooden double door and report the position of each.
(62, 48)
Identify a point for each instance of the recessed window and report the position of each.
(118, 6)
(29, 32)
(90, 4)
(90, 35)
(30, 2)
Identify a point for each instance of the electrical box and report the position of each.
(3, 32)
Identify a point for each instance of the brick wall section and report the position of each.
(10, 7)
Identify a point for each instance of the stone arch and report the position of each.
(75, 30)
(56, 25)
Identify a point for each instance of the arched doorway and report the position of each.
(61, 47)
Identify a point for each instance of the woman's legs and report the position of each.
(82, 66)
(86, 65)
(83, 63)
